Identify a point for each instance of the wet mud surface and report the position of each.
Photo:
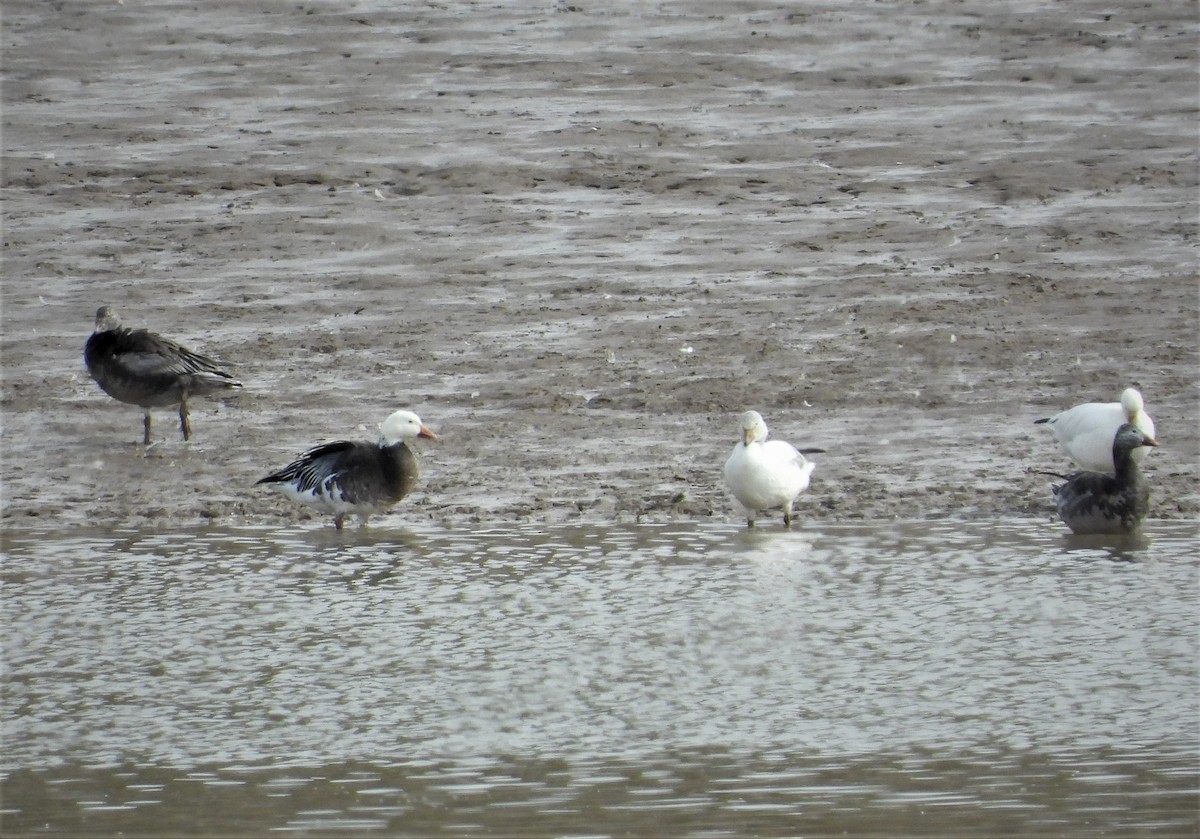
(578, 240)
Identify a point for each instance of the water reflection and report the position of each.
(679, 679)
(686, 793)
(1120, 548)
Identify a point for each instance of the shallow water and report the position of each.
(681, 679)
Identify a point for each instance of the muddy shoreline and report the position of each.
(578, 241)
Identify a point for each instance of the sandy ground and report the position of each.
(578, 239)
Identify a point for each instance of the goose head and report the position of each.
(401, 427)
(1128, 438)
(754, 428)
(107, 319)
(1131, 403)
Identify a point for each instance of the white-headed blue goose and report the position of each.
(344, 477)
(1086, 431)
(766, 474)
(145, 369)
(1096, 502)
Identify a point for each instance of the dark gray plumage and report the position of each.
(344, 477)
(142, 368)
(1095, 502)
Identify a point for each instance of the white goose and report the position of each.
(1087, 431)
(766, 474)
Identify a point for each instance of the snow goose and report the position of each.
(1086, 431)
(766, 474)
(344, 477)
(142, 368)
(1096, 502)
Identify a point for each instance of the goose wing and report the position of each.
(146, 353)
(315, 467)
(780, 452)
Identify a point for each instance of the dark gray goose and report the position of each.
(343, 477)
(142, 368)
(1096, 502)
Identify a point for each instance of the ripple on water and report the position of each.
(822, 666)
(696, 793)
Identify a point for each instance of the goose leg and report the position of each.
(339, 520)
(787, 516)
(185, 424)
(146, 428)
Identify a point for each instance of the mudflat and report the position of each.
(579, 239)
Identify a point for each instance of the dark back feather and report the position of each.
(146, 369)
(364, 473)
(1095, 502)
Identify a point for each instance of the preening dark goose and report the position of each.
(142, 368)
(344, 477)
(1086, 431)
(766, 474)
(1096, 502)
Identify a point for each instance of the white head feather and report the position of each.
(402, 427)
(1131, 401)
(754, 427)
